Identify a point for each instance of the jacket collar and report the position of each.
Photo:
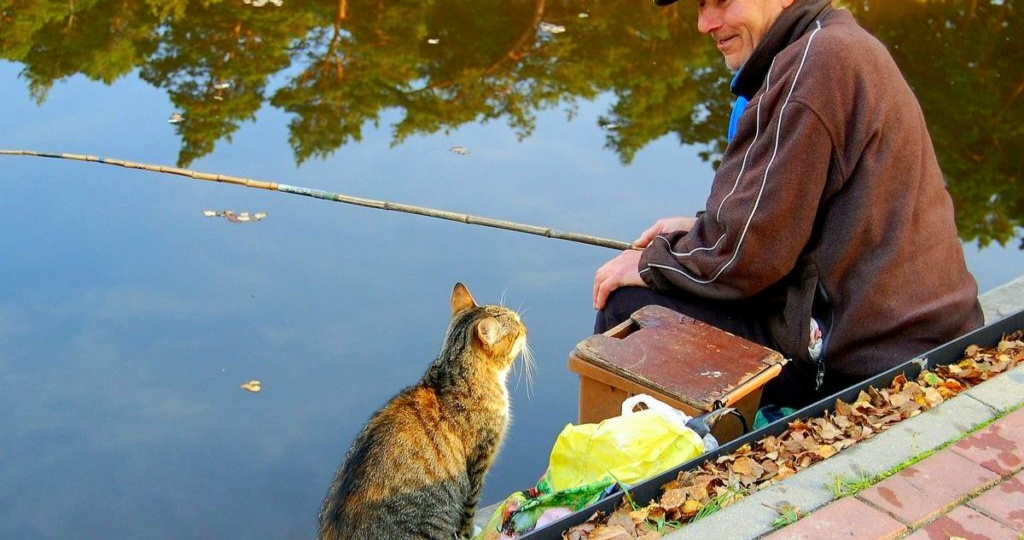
(791, 24)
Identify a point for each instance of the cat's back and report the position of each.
(404, 477)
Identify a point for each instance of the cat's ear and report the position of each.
(489, 331)
(461, 299)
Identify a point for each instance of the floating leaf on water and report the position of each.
(175, 118)
(253, 386)
(460, 150)
(551, 28)
(236, 217)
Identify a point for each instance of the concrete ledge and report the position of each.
(1003, 301)
(1002, 393)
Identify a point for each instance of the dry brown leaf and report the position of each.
(897, 400)
(932, 397)
(621, 518)
(745, 466)
(827, 430)
(610, 532)
(640, 515)
(784, 472)
(826, 451)
(691, 507)
(673, 498)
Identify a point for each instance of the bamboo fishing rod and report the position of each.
(337, 197)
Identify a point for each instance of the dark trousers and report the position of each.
(745, 318)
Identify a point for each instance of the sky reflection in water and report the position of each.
(128, 320)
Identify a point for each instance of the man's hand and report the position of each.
(624, 270)
(662, 226)
(621, 271)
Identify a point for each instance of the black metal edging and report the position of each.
(648, 490)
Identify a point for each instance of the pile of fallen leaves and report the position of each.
(718, 483)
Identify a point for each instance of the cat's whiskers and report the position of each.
(501, 300)
(526, 354)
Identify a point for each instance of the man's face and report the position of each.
(738, 25)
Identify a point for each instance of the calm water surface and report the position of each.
(128, 319)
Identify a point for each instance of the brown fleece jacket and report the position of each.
(829, 202)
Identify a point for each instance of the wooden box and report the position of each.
(681, 361)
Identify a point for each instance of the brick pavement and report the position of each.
(971, 490)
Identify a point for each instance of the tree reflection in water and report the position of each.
(337, 67)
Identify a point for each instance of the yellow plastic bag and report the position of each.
(626, 448)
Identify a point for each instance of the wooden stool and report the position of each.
(681, 361)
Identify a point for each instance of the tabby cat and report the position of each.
(416, 468)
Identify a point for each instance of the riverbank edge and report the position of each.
(755, 516)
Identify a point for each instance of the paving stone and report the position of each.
(754, 515)
(847, 519)
(1004, 502)
(1003, 301)
(809, 489)
(1003, 392)
(964, 522)
(998, 447)
(887, 449)
(919, 493)
(744, 519)
(938, 426)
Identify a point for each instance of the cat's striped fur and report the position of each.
(416, 468)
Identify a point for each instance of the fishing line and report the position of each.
(338, 197)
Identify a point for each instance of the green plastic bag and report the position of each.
(523, 511)
(626, 448)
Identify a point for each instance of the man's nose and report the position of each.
(708, 21)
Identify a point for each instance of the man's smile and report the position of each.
(725, 41)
